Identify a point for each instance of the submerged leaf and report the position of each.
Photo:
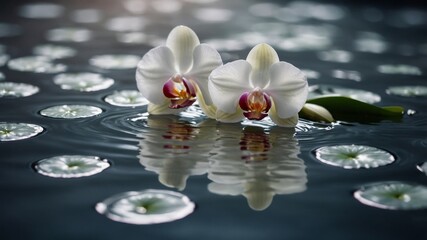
(348, 109)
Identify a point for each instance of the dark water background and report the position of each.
(37, 207)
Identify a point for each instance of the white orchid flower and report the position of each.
(258, 87)
(174, 76)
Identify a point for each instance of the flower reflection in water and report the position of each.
(176, 149)
(257, 164)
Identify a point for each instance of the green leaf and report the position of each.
(349, 109)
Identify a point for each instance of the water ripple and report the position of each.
(256, 163)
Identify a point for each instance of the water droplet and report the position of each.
(69, 35)
(126, 98)
(361, 95)
(3, 59)
(36, 64)
(126, 24)
(2, 77)
(340, 56)
(11, 89)
(18, 131)
(146, 207)
(407, 91)
(346, 74)
(115, 61)
(354, 156)
(411, 112)
(71, 166)
(399, 69)
(86, 15)
(85, 82)
(393, 195)
(71, 111)
(41, 10)
(54, 51)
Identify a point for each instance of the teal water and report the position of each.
(249, 180)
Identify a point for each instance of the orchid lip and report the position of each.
(180, 91)
(255, 104)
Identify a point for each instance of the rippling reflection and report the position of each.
(257, 164)
(249, 160)
(175, 149)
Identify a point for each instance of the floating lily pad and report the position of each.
(3, 59)
(69, 35)
(18, 131)
(88, 15)
(54, 51)
(354, 156)
(347, 74)
(11, 89)
(115, 61)
(146, 207)
(399, 69)
(85, 82)
(407, 91)
(71, 166)
(126, 98)
(36, 64)
(71, 111)
(41, 10)
(358, 94)
(348, 109)
(126, 24)
(393, 195)
(340, 56)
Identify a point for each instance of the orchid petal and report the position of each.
(237, 116)
(154, 69)
(206, 59)
(162, 109)
(227, 83)
(261, 57)
(208, 109)
(282, 122)
(182, 41)
(288, 88)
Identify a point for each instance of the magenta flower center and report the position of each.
(180, 91)
(255, 104)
